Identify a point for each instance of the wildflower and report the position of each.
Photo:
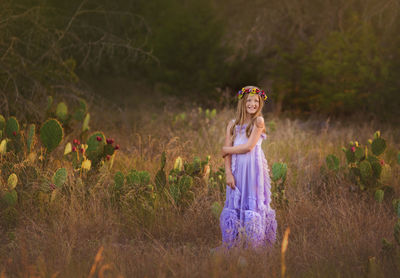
(82, 150)
(110, 141)
(108, 157)
(14, 133)
(382, 162)
(116, 147)
(353, 149)
(76, 142)
(74, 149)
(98, 138)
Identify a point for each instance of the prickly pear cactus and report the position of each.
(12, 127)
(49, 103)
(12, 181)
(30, 138)
(365, 170)
(332, 162)
(62, 112)
(85, 125)
(378, 146)
(161, 179)
(96, 143)
(51, 134)
(2, 122)
(178, 165)
(80, 112)
(3, 146)
(60, 177)
(398, 158)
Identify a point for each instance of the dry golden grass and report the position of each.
(333, 231)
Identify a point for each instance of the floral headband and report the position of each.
(252, 91)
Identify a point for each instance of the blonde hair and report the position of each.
(241, 114)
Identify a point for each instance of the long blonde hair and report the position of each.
(241, 114)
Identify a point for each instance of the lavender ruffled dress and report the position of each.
(247, 215)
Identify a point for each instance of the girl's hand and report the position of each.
(224, 153)
(230, 181)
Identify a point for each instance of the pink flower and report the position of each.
(14, 133)
(98, 138)
(108, 157)
(382, 162)
(110, 141)
(82, 150)
(74, 149)
(116, 147)
(353, 149)
(76, 142)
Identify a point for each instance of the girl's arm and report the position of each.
(230, 181)
(249, 145)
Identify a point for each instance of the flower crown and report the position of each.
(252, 91)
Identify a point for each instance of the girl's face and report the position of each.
(252, 103)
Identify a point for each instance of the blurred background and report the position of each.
(330, 58)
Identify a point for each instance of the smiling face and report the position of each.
(252, 104)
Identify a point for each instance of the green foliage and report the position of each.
(80, 112)
(10, 197)
(96, 144)
(279, 172)
(2, 122)
(51, 134)
(379, 194)
(332, 162)
(60, 177)
(378, 146)
(12, 181)
(62, 112)
(12, 127)
(31, 137)
(365, 170)
(85, 125)
(397, 232)
(161, 179)
(119, 179)
(216, 209)
(180, 190)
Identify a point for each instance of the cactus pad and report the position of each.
(378, 146)
(85, 125)
(95, 148)
(80, 112)
(398, 158)
(12, 127)
(31, 137)
(51, 134)
(62, 111)
(350, 157)
(359, 153)
(379, 194)
(49, 103)
(12, 181)
(178, 165)
(365, 170)
(2, 122)
(3, 146)
(60, 177)
(332, 162)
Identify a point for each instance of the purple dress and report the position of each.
(247, 215)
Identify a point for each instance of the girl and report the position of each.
(247, 214)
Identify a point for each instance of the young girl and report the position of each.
(247, 216)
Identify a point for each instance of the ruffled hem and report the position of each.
(254, 228)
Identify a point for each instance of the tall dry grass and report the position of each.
(333, 231)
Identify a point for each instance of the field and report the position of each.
(336, 229)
